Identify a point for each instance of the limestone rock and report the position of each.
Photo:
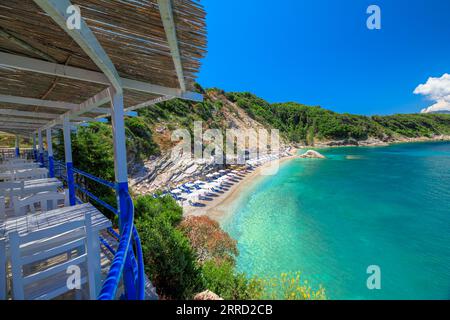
(312, 154)
(207, 295)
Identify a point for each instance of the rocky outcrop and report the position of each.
(379, 141)
(167, 171)
(207, 295)
(312, 154)
(345, 142)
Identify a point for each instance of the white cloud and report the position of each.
(438, 90)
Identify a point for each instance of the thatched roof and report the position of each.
(133, 35)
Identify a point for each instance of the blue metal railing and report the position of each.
(60, 168)
(96, 199)
(121, 258)
(124, 256)
(94, 178)
(107, 245)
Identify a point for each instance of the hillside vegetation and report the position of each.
(150, 132)
(305, 124)
(297, 123)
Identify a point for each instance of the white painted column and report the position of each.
(51, 167)
(49, 142)
(41, 148)
(69, 164)
(118, 127)
(120, 167)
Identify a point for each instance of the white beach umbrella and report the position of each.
(192, 197)
(214, 184)
(199, 182)
(176, 191)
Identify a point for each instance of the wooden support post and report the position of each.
(51, 166)
(69, 164)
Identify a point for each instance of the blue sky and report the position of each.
(320, 52)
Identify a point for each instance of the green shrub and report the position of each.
(146, 208)
(140, 140)
(221, 279)
(291, 286)
(169, 259)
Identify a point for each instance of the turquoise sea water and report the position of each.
(332, 218)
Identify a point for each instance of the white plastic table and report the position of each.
(11, 175)
(32, 187)
(42, 220)
(40, 185)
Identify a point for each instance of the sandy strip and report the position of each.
(221, 205)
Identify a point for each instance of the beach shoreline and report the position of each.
(221, 206)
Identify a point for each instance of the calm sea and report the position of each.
(332, 218)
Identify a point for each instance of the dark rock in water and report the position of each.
(312, 154)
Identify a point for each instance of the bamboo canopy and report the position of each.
(137, 37)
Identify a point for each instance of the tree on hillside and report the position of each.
(208, 240)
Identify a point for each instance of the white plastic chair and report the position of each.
(7, 193)
(45, 200)
(18, 166)
(54, 247)
(29, 174)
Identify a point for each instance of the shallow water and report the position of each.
(331, 219)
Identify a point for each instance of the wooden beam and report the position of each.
(18, 125)
(18, 113)
(68, 72)
(149, 103)
(46, 103)
(22, 120)
(21, 43)
(57, 10)
(90, 104)
(100, 110)
(37, 102)
(166, 12)
(12, 115)
(21, 132)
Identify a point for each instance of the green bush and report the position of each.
(221, 279)
(169, 259)
(140, 140)
(290, 286)
(147, 208)
(300, 123)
